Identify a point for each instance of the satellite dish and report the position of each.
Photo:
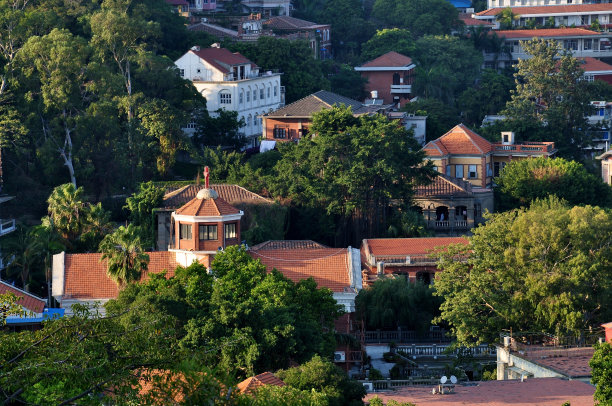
(453, 379)
(443, 379)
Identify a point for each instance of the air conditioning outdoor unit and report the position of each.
(339, 356)
(369, 386)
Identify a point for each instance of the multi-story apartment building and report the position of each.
(232, 82)
(552, 16)
(515, 3)
(390, 76)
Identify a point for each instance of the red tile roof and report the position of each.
(222, 58)
(460, 140)
(27, 300)
(328, 266)
(445, 186)
(571, 362)
(390, 59)
(287, 244)
(546, 33)
(469, 21)
(173, 199)
(290, 24)
(534, 391)
(251, 384)
(207, 207)
(85, 276)
(410, 246)
(594, 65)
(547, 10)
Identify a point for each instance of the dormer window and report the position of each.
(208, 232)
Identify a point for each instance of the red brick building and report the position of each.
(390, 76)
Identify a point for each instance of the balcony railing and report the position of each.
(403, 336)
(7, 226)
(526, 147)
(401, 88)
(442, 350)
(402, 260)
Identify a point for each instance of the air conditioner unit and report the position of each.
(369, 386)
(339, 356)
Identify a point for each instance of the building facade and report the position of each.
(390, 76)
(515, 3)
(232, 82)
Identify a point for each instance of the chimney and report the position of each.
(374, 94)
(507, 137)
(380, 268)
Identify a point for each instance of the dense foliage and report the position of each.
(601, 368)
(544, 268)
(523, 181)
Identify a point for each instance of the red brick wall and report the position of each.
(604, 78)
(382, 81)
(293, 131)
(206, 245)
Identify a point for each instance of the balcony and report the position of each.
(402, 260)
(530, 148)
(6, 226)
(401, 89)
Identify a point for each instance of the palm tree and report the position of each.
(124, 255)
(66, 209)
(507, 18)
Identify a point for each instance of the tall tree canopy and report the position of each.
(386, 40)
(601, 368)
(420, 17)
(523, 181)
(544, 268)
(352, 168)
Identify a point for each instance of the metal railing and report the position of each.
(390, 384)
(404, 336)
(443, 350)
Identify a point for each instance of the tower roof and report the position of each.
(207, 203)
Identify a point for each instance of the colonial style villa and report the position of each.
(513, 3)
(232, 82)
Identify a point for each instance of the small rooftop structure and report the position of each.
(250, 385)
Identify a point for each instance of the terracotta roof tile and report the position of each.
(469, 21)
(445, 186)
(251, 384)
(287, 244)
(27, 300)
(314, 103)
(290, 23)
(547, 10)
(410, 246)
(572, 362)
(535, 391)
(390, 59)
(207, 207)
(232, 194)
(328, 266)
(460, 140)
(546, 33)
(594, 65)
(222, 58)
(85, 276)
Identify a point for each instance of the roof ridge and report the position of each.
(22, 291)
(176, 191)
(467, 132)
(443, 177)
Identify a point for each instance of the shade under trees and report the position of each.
(544, 268)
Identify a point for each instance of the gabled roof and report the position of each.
(287, 244)
(390, 59)
(233, 194)
(329, 267)
(470, 21)
(548, 10)
(27, 300)
(221, 58)
(215, 30)
(85, 276)
(409, 246)
(546, 33)
(444, 186)
(314, 103)
(589, 64)
(207, 207)
(251, 384)
(460, 140)
(290, 23)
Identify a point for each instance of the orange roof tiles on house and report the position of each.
(329, 267)
(460, 140)
(410, 246)
(589, 64)
(546, 33)
(444, 186)
(85, 276)
(536, 391)
(287, 244)
(207, 207)
(222, 58)
(233, 194)
(251, 384)
(470, 21)
(571, 362)
(390, 59)
(27, 300)
(549, 10)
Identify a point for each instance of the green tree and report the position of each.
(142, 205)
(270, 395)
(489, 97)
(9, 307)
(124, 255)
(352, 168)
(601, 368)
(440, 116)
(395, 302)
(386, 40)
(523, 181)
(507, 18)
(324, 377)
(550, 94)
(345, 80)
(420, 17)
(220, 129)
(536, 269)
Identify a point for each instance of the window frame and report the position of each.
(208, 230)
(185, 229)
(474, 172)
(228, 232)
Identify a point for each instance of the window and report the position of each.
(275, 90)
(254, 95)
(496, 169)
(208, 232)
(588, 78)
(240, 97)
(472, 171)
(570, 44)
(280, 132)
(477, 211)
(458, 171)
(191, 125)
(185, 232)
(225, 98)
(268, 92)
(489, 171)
(255, 120)
(261, 94)
(230, 230)
(248, 93)
(448, 170)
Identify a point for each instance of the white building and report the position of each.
(516, 3)
(232, 82)
(571, 15)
